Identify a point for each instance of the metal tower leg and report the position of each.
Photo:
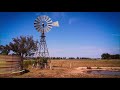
(42, 52)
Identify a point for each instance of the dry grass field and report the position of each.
(86, 63)
(67, 69)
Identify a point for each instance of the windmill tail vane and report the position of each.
(55, 24)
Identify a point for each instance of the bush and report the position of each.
(26, 63)
(41, 61)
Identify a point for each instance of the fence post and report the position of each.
(45, 65)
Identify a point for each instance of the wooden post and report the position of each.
(37, 65)
(45, 65)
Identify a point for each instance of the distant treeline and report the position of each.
(69, 58)
(60, 58)
(109, 56)
(103, 56)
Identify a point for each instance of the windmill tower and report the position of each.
(43, 24)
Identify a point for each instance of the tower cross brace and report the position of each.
(42, 47)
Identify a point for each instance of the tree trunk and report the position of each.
(21, 62)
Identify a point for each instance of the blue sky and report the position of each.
(82, 34)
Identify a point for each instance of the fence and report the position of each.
(9, 64)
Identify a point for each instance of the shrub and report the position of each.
(26, 63)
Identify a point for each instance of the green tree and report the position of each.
(23, 46)
(116, 56)
(105, 56)
(4, 49)
(77, 58)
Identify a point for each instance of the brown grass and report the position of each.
(85, 63)
(61, 69)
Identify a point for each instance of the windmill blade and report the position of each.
(46, 18)
(49, 25)
(36, 24)
(37, 27)
(40, 29)
(44, 29)
(37, 21)
(55, 24)
(43, 17)
(47, 29)
(49, 19)
(39, 18)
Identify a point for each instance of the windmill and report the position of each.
(43, 24)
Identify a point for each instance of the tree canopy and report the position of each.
(23, 46)
(108, 56)
(4, 49)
